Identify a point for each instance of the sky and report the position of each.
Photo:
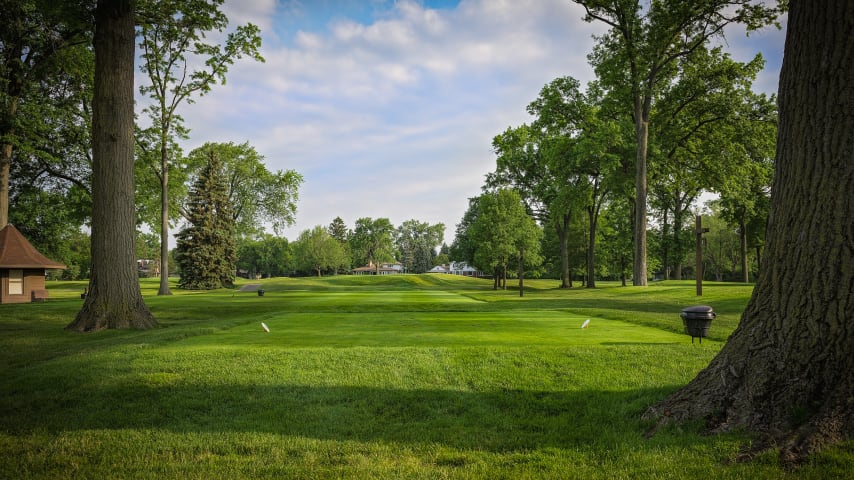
(388, 108)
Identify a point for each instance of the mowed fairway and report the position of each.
(360, 377)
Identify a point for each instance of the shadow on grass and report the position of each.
(494, 421)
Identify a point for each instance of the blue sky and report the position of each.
(388, 108)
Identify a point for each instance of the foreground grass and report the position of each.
(365, 377)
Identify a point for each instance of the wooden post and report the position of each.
(699, 231)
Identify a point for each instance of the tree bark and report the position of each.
(593, 218)
(5, 170)
(745, 265)
(14, 88)
(665, 250)
(521, 272)
(642, 130)
(114, 299)
(562, 227)
(786, 370)
(164, 220)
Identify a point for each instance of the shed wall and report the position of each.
(33, 280)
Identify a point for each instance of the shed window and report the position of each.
(16, 282)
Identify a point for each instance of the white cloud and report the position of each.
(394, 117)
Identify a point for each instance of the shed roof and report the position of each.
(17, 252)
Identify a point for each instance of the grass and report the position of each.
(370, 377)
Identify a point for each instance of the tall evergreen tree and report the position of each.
(206, 252)
(338, 230)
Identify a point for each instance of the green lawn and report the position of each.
(366, 377)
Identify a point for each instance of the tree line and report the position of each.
(614, 168)
(335, 249)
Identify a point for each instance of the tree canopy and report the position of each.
(502, 233)
(45, 68)
(637, 57)
(372, 241)
(317, 251)
(257, 196)
(416, 244)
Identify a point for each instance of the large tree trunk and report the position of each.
(679, 210)
(14, 88)
(164, 219)
(5, 170)
(562, 227)
(665, 250)
(642, 131)
(786, 370)
(114, 299)
(745, 265)
(592, 219)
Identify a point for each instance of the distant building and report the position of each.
(464, 269)
(457, 268)
(386, 268)
(22, 268)
(439, 269)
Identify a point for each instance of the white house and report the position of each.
(440, 269)
(457, 268)
(464, 269)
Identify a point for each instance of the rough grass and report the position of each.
(428, 376)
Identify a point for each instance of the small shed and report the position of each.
(22, 268)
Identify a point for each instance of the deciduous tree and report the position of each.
(266, 255)
(785, 372)
(637, 56)
(372, 241)
(257, 195)
(504, 232)
(317, 251)
(746, 186)
(416, 244)
(115, 299)
(34, 35)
